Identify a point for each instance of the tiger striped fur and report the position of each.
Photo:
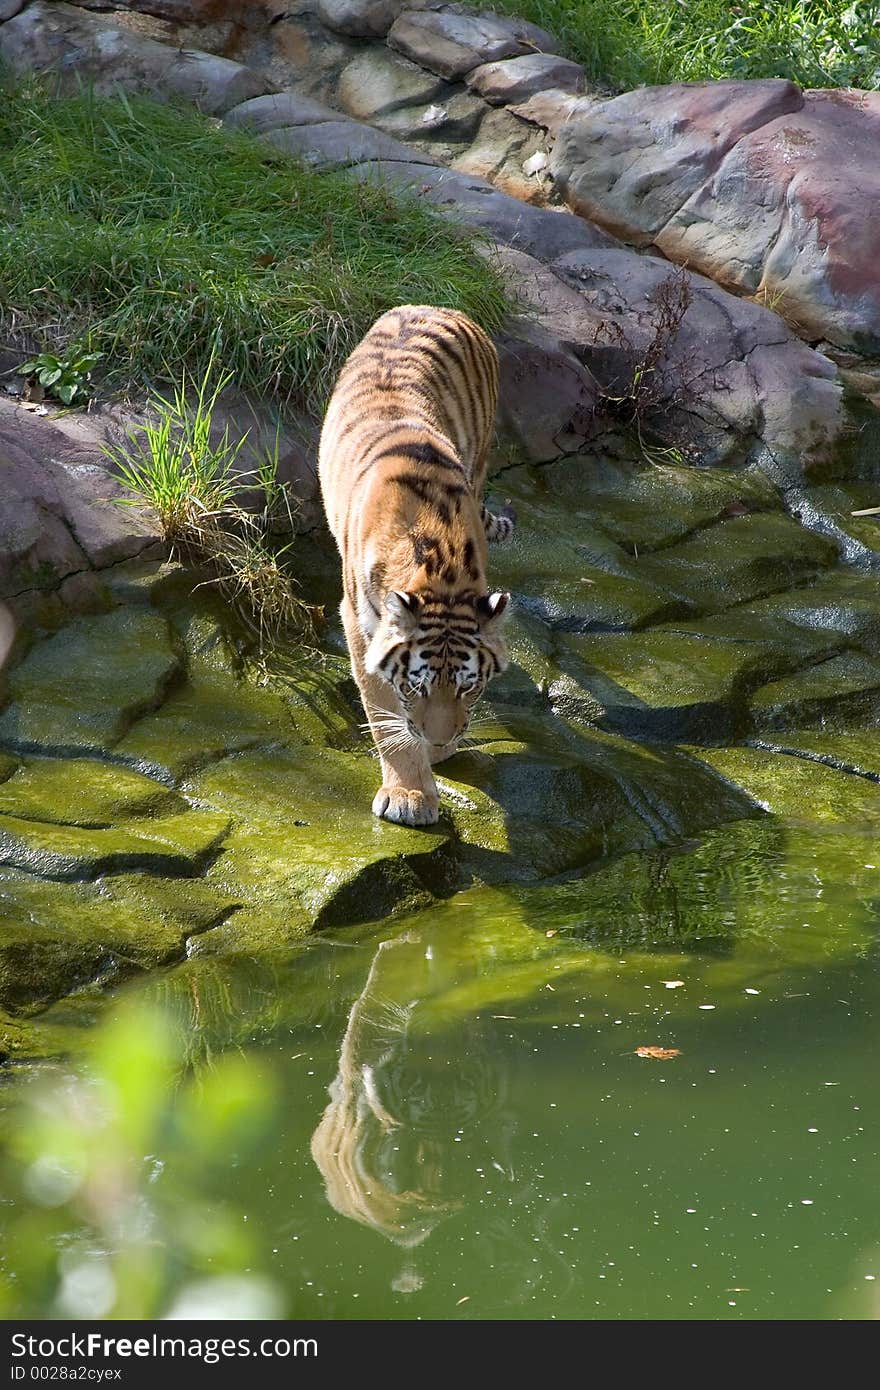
(402, 464)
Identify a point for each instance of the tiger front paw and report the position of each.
(405, 806)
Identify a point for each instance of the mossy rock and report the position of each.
(565, 571)
(207, 719)
(526, 682)
(526, 814)
(807, 792)
(55, 938)
(835, 691)
(648, 506)
(319, 694)
(843, 602)
(306, 842)
(838, 502)
(83, 792)
(742, 558)
(663, 684)
(80, 690)
(173, 844)
(855, 751)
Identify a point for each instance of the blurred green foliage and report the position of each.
(96, 1224)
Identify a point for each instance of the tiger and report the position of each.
(402, 465)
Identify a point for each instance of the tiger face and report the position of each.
(439, 653)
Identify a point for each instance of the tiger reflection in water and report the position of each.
(381, 1142)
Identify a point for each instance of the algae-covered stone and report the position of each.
(57, 937)
(213, 715)
(850, 509)
(653, 505)
(840, 602)
(305, 838)
(524, 811)
(84, 792)
(844, 687)
(805, 791)
(321, 698)
(532, 668)
(661, 684)
(566, 571)
(855, 751)
(174, 844)
(81, 689)
(741, 558)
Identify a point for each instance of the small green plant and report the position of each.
(68, 377)
(181, 466)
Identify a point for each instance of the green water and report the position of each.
(496, 1149)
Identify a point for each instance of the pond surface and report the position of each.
(495, 1147)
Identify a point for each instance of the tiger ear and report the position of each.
(403, 619)
(490, 608)
(403, 608)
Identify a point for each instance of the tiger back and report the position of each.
(402, 465)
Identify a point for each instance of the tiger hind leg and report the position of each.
(498, 526)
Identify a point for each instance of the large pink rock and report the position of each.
(631, 163)
(59, 512)
(77, 46)
(793, 212)
(766, 189)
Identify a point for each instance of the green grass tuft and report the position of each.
(624, 43)
(146, 233)
(179, 466)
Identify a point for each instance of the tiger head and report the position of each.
(439, 652)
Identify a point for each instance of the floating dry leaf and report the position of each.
(660, 1054)
(672, 984)
(466, 1299)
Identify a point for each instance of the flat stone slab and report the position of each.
(77, 935)
(803, 791)
(741, 558)
(310, 840)
(278, 109)
(833, 692)
(517, 79)
(175, 844)
(83, 792)
(608, 796)
(856, 751)
(58, 702)
(650, 507)
(842, 603)
(763, 187)
(452, 44)
(338, 144)
(75, 44)
(666, 685)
